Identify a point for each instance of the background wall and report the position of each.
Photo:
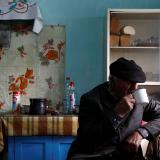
(85, 21)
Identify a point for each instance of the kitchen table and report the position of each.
(48, 137)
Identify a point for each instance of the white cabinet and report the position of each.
(143, 46)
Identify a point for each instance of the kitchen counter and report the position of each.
(28, 125)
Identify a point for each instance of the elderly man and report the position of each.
(110, 120)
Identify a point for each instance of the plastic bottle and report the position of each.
(15, 100)
(72, 97)
(67, 95)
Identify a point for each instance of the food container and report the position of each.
(125, 40)
(38, 106)
(115, 24)
(114, 40)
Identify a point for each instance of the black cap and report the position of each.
(127, 70)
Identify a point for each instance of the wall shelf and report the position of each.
(134, 47)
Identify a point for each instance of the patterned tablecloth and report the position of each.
(36, 125)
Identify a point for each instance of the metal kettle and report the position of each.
(38, 106)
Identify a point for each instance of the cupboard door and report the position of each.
(11, 155)
(39, 147)
(34, 148)
(61, 146)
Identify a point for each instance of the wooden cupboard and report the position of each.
(39, 147)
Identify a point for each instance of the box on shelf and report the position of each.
(114, 40)
(125, 40)
(114, 24)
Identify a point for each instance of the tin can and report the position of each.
(15, 100)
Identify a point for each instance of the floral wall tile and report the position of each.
(4, 96)
(51, 44)
(23, 50)
(43, 54)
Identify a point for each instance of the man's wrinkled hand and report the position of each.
(125, 105)
(132, 143)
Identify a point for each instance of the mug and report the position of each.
(141, 96)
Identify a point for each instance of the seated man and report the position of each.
(110, 120)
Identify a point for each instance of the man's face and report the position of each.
(121, 87)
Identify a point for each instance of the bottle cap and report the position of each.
(67, 78)
(71, 84)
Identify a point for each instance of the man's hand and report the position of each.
(125, 105)
(132, 143)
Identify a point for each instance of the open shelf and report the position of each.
(143, 47)
(150, 83)
(133, 47)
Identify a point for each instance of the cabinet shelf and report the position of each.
(134, 13)
(134, 47)
(150, 83)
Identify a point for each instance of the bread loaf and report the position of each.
(127, 30)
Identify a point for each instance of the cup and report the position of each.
(141, 96)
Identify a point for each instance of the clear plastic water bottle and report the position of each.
(72, 97)
(67, 96)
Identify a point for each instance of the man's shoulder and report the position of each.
(94, 92)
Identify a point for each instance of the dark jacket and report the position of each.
(100, 128)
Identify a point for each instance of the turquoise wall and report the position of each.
(84, 21)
